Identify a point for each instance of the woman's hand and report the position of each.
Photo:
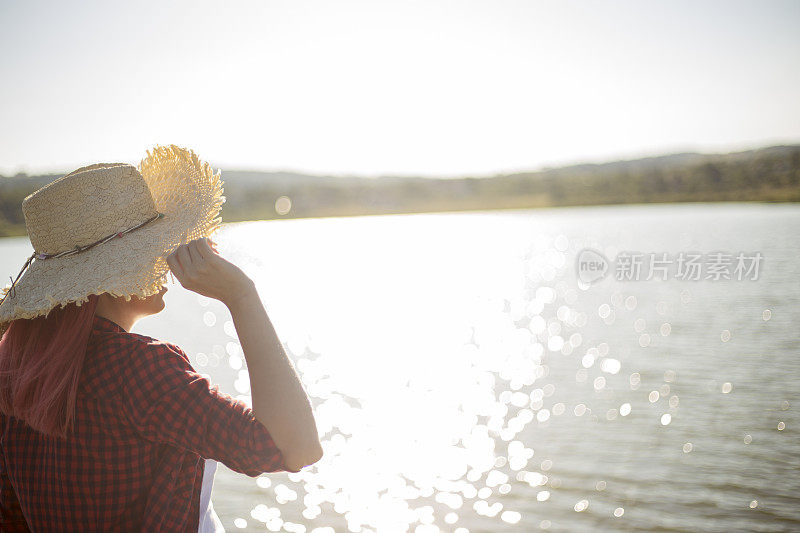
(199, 268)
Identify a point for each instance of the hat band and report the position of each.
(76, 250)
(107, 238)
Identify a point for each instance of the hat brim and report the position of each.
(189, 195)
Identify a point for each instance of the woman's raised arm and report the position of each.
(279, 400)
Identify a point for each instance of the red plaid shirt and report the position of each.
(145, 421)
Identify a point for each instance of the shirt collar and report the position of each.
(101, 323)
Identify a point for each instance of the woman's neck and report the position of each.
(121, 316)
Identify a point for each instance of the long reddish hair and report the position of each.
(40, 365)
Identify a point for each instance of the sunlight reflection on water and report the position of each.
(463, 381)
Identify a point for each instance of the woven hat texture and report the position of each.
(102, 199)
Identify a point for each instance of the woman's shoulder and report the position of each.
(156, 346)
(148, 352)
(109, 339)
(117, 358)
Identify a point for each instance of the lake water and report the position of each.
(464, 380)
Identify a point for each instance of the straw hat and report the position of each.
(107, 227)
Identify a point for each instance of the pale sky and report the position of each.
(374, 87)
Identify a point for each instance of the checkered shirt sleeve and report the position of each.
(168, 402)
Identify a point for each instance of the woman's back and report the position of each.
(144, 421)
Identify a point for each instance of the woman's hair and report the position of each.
(40, 366)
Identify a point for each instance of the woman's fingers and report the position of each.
(187, 261)
(202, 255)
(201, 269)
(204, 249)
(194, 257)
(174, 264)
(181, 264)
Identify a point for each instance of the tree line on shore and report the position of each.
(769, 174)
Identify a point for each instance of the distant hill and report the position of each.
(769, 174)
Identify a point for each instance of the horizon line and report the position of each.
(483, 175)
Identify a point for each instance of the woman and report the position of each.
(102, 429)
